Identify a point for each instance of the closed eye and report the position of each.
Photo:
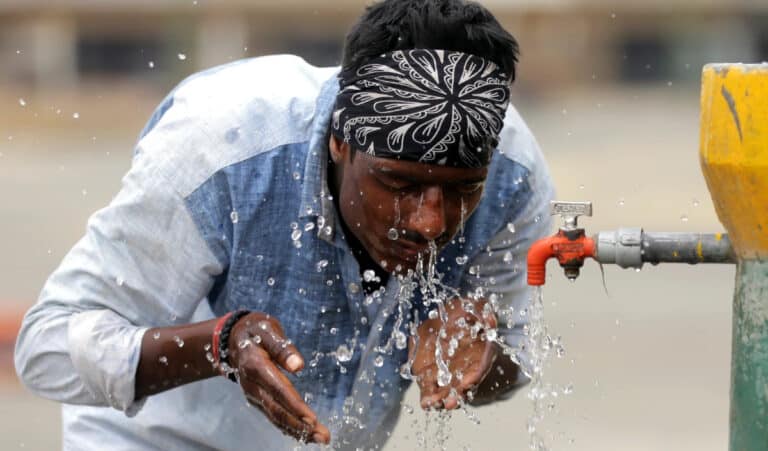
(469, 188)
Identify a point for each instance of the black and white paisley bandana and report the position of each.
(430, 106)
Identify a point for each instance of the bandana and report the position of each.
(430, 106)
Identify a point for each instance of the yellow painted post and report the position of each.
(734, 159)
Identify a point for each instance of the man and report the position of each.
(273, 229)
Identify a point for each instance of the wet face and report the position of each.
(380, 199)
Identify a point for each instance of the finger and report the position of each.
(259, 368)
(279, 348)
(475, 372)
(451, 401)
(432, 394)
(276, 413)
(322, 434)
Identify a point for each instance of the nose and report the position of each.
(429, 217)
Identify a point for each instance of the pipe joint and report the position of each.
(623, 247)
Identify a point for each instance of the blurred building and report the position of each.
(74, 44)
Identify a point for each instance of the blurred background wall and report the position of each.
(81, 45)
(610, 88)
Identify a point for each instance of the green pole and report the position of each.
(749, 361)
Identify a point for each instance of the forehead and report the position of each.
(420, 172)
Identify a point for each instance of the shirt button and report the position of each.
(354, 288)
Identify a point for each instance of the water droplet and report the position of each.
(119, 281)
(163, 359)
(621, 202)
(234, 217)
(369, 275)
(343, 354)
(270, 281)
(490, 335)
(433, 314)
(309, 226)
(444, 378)
(508, 257)
(151, 64)
(22, 102)
(695, 202)
(613, 15)
(684, 217)
(319, 266)
(392, 234)
(401, 341)
(156, 335)
(462, 259)
(511, 227)
(296, 176)
(182, 56)
(295, 235)
(75, 115)
(581, 186)
(378, 362)
(179, 341)
(334, 331)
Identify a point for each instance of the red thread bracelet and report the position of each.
(216, 334)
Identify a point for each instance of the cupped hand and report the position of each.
(257, 348)
(469, 359)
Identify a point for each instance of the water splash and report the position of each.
(540, 344)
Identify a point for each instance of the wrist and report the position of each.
(221, 342)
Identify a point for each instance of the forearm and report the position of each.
(174, 356)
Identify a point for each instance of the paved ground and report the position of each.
(649, 364)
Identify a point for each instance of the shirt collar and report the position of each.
(315, 196)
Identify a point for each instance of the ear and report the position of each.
(338, 149)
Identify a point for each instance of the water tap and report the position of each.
(569, 245)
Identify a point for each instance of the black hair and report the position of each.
(435, 24)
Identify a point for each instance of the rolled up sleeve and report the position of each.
(142, 263)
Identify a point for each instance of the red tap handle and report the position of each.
(568, 251)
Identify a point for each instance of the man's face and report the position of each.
(421, 202)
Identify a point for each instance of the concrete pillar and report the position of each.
(53, 51)
(734, 158)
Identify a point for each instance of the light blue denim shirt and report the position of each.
(231, 163)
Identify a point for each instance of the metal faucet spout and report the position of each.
(570, 247)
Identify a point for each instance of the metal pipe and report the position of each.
(632, 247)
(692, 248)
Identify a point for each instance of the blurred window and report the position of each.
(644, 58)
(762, 46)
(319, 51)
(98, 55)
